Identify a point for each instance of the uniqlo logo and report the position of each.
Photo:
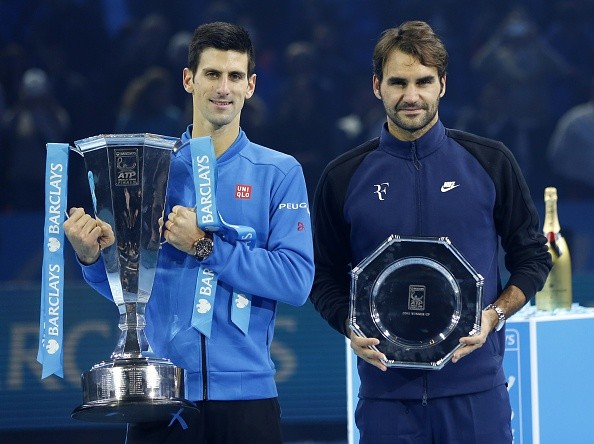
(243, 191)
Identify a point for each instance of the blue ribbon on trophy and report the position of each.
(51, 319)
(204, 167)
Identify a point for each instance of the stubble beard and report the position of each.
(413, 125)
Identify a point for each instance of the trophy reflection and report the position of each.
(128, 175)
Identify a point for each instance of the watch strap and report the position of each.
(500, 315)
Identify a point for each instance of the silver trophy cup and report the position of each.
(128, 175)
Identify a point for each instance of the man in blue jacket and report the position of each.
(421, 179)
(230, 374)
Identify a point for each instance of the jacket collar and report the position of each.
(240, 142)
(431, 141)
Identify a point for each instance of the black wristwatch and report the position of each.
(203, 247)
(500, 315)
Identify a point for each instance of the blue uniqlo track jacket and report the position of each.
(260, 188)
(446, 183)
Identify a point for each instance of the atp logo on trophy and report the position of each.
(416, 297)
(126, 167)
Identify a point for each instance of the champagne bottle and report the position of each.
(556, 292)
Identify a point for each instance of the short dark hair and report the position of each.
(415, 38)
(223, 36)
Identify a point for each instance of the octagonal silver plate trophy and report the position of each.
(418, 296)
(128, 175)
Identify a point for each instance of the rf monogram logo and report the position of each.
(381, 190)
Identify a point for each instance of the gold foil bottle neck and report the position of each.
(551, 220)
(550, 193)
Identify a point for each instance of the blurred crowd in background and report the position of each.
(520, 71)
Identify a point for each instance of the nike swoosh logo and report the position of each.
(446, 188)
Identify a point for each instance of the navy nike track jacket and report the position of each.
(446, 183)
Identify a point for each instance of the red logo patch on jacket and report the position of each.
(243, 191)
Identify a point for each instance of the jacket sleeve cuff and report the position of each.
(95, 272)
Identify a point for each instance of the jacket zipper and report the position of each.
(413, 154)
(204, 374)
(417, 165)
(425, 395)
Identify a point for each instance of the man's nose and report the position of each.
(410, 93)
(223, 86)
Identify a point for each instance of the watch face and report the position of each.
(203, 248)
(418, 296)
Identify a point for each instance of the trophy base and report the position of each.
(131, 412)
(132, 391)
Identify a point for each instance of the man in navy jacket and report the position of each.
(421, 179)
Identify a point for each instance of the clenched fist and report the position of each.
(88, 236)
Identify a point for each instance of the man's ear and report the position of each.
(251, 86)
(442, 81)
(376, 87)
(187, 77)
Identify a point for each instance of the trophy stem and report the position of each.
(132, 342)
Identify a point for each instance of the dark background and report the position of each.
(71, 69)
